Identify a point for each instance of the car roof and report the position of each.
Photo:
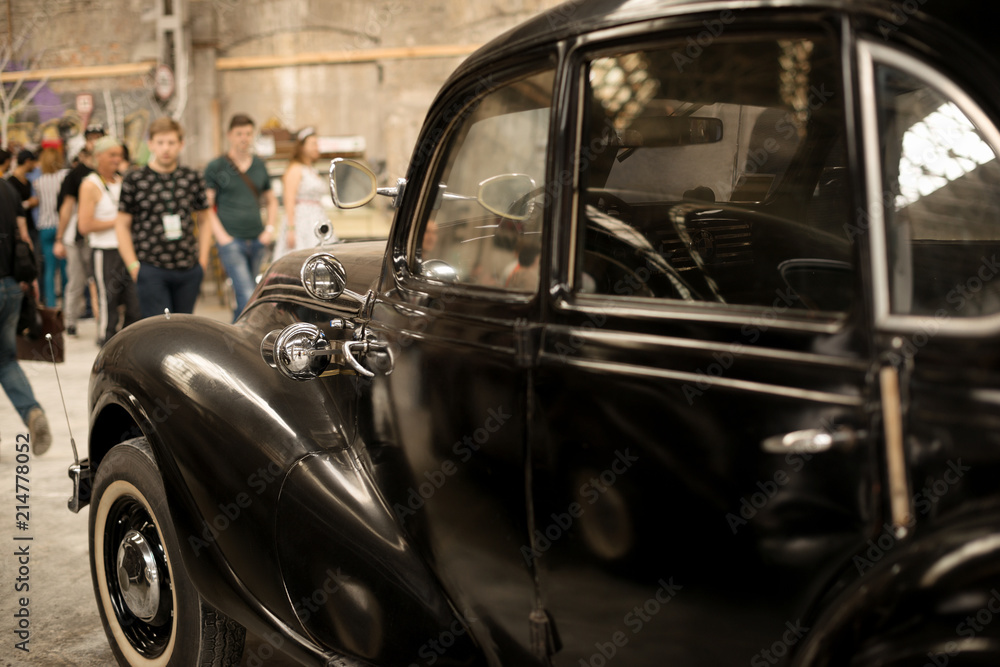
(975, 20)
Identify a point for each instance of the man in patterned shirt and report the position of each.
(159, 243)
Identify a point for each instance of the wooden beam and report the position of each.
(94, 72)
(344, 56)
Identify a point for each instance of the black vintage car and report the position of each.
(684, 349)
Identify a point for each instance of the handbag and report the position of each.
(39, 321)
(24, 269)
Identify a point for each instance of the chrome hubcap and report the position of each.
(139, 576)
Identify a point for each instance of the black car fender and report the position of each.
(195, 389)
(251, 494)
(947, 578)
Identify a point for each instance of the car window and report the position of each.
(482, 225)
(941, 201)
(719, 178)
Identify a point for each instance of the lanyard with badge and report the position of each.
(172, 230)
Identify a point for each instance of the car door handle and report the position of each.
(811, 441)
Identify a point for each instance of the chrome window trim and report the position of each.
(574, 221)
(871, 54)
(748, 386)
(747, 350)
(701, 311)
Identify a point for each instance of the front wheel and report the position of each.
(151, 612)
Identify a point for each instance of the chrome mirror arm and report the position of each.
(396, 193)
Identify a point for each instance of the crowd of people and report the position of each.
(121, 242)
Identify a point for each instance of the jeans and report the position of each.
(13, 379)
(242, 259)
(174, 289)
(47, 237)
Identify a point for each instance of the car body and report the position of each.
(684, 348)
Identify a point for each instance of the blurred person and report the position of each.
(98, 211)
(126, 166)
(236, 182)
(165, 252)
(47, 186)
(73, 245)
(12, 378)
(303, 192)
(27, 162)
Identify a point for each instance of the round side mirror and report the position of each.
(352, 183)
(323, 276)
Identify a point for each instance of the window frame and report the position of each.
(449, 114)
(870, 55)
(569, 299)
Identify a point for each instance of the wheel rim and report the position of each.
(138, 578)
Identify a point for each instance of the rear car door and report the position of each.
(704, 463)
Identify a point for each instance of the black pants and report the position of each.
(114, 288)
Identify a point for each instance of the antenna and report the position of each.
(55, 367)
(79, 472)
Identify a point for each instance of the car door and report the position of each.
(448, 421)
(704, 458)
(935, 229)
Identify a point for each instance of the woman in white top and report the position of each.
(47, 186)
(98, 210)
(303, 191)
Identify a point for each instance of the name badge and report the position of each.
(172, 227)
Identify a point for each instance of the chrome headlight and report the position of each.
(299, 351)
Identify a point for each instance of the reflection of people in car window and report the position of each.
(429, 240)
(523, 276)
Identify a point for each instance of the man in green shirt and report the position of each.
(236, 183)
